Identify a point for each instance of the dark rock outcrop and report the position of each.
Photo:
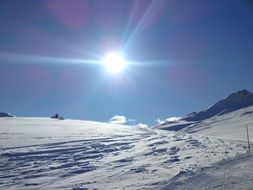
(4, 114)
(57, 116)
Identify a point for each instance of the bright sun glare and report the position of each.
(114, 62)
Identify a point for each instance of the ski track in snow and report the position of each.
(123, 158)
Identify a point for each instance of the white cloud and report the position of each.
(159, 121)
(141, 125)
(118, 119)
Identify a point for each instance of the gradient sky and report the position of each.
(185, 54)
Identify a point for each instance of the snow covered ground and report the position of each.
(235, 174)
(44, 153)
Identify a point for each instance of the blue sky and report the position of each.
(185, 55)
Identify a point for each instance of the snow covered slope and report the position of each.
(228, 126)
(225, 119)
(44, 153)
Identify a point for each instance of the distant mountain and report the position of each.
(233, 102)
(4, 114)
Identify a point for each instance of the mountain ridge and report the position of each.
(233, 102)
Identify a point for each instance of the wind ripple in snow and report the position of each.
(120, 158)
(48, 160)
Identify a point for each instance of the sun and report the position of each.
(114, 62)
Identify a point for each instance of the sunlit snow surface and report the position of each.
(43, 153)
(228, 126)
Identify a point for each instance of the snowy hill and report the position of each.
(44, 153)
(235, 101)
(226, 126)
(227, 117)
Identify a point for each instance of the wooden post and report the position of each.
(248, 137)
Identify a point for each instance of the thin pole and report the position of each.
(248, 137)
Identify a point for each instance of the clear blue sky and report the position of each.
(187, 53)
